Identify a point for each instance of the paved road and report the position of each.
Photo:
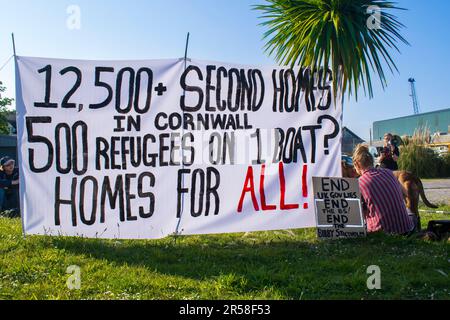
(437, 191)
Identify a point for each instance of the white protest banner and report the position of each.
(144, 149)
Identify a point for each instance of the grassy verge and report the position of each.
(263, 265)
(442, 207)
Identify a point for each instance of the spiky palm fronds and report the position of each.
(334, 34)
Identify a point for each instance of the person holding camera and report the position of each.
(390, 153)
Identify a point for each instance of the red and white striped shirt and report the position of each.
(386, 209)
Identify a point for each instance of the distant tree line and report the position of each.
(5, 102)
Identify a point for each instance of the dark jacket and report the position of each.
(389, 162)
(6, 180)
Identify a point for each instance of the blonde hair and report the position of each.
(363, 156)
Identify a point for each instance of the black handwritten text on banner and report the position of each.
(135, 149)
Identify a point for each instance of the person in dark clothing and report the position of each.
(9, 186)
(390, 154)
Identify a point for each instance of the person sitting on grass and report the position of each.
(385, 209)
(9, 183)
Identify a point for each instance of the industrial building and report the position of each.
(8, 146)
(8, 143)
(349, 141)
(437, 122)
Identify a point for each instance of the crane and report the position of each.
(412, 82)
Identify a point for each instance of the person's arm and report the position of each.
(5, 183)
(383, 155)
(364, 207)
(396, 154)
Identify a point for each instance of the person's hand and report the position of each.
(365, 211)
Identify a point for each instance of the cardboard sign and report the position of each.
(338, 208)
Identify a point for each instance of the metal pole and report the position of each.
(186, 51)
(20, 184)
(13, 44)
(182, 152)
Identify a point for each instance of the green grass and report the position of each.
(442, 207)
(263, 265)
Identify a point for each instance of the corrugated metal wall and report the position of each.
(437, 121)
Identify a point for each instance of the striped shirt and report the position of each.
(386, 209)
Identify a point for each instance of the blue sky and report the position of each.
(221, 30)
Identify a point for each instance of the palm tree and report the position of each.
(346, 36)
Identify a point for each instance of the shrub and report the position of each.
(5, 103)
(444, 171)
(419, 159)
